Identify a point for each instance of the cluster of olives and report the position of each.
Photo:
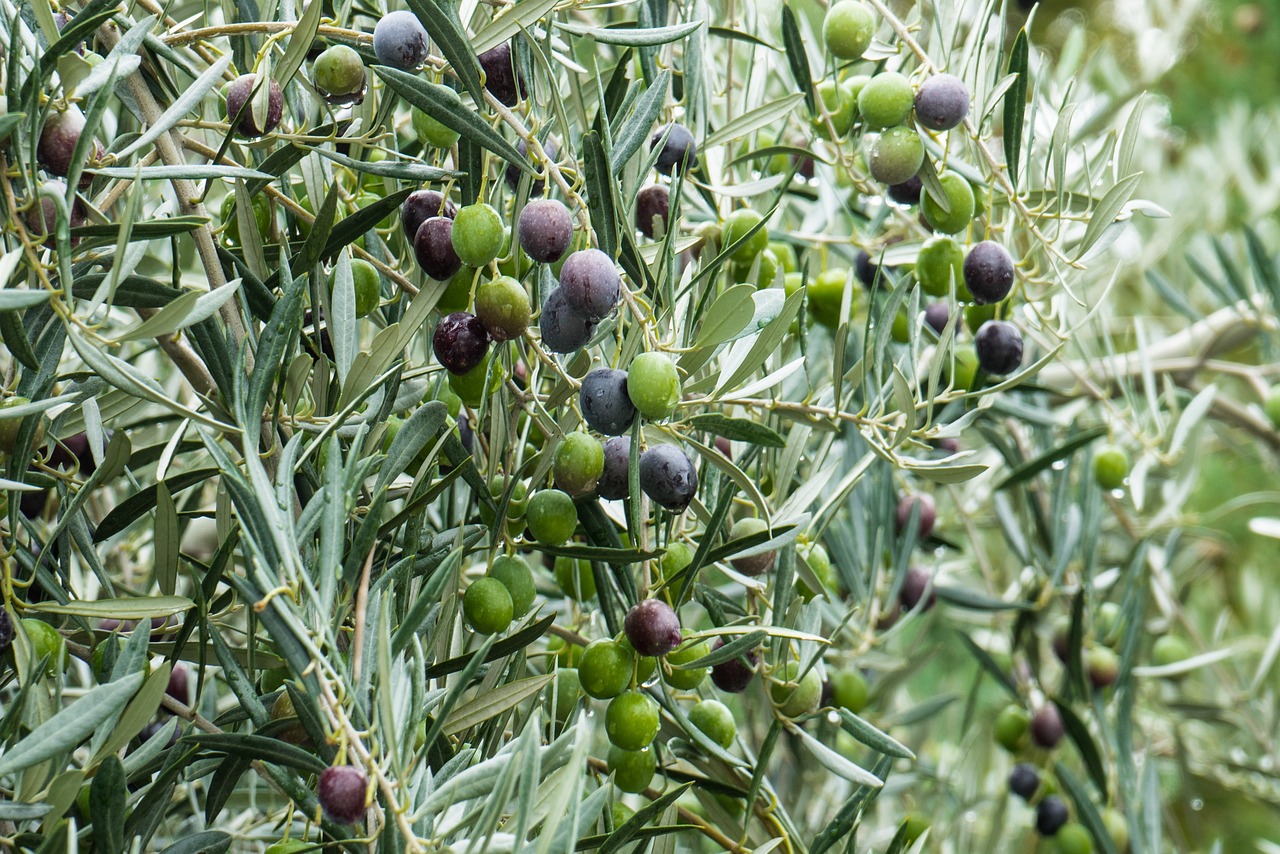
(891, 113)
(618, 671)
(1015, 731)
(1033, 736)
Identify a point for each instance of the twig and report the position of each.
(362, 609)
(187, 194)
(302, 213)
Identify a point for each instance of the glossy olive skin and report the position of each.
(631, 721)
(400, 40)
(6, 630)
(342, 791)
(1024, 781)
(1110, 467)
(961, 200)
(1011, 726)
(733, 676)
(604, 402)
(668, 477)
(908, 192)
(652, 627)
(545, 230)
(431, 132)
(653, 210)
(460, 342)
(988, 272)
(632, 770)
(679, 152)
(339, 76)
(795, 694)
(487, 606)
(714, 720)
(615, 482)
(942, 102)
(42, 217)
(686, 679)
(917, 589)
(999, 347)
(847, 29)
(563, 329)
(927, 518)
(500, 76)
(756, 564)
(653, 384)
(886, 100)
(433, 247)
(1051, 815)
(421, 206)
(502, 304)
(1046, 726)
(1102, 666)
(896, 155)
(590, 284)
(939, 265)
(551, 516)
(513, 572)
(605, 669)
(58, 139)
(849, 690)
(936, 315)
(238, 93)
(477, 234)
(578, 464)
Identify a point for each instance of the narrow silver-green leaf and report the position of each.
(493, 703)
(633, 36)
(1106, 212)
(185, 103)
(444, 105)
(769, 115)
(873, 737)
(187, 310)
(441, 20)
(300, 41)
(510, 21)
(69, 727)
(194, 172)
(165, 544)
(1015, 105)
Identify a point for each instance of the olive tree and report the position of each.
(690, 426)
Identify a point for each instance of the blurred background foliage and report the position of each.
(1213, 67)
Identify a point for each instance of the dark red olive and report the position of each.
(460, 342)
(653, 627)
(915, 588)
(928, 513)
(1046, 726)
(342, 793)
(733, 676)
